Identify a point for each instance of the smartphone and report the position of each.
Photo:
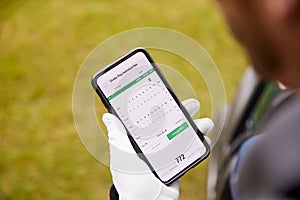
(158, 126)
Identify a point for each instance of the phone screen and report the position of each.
(153, 118)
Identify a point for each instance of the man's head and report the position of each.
(270, 31)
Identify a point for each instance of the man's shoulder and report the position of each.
(279, 137)
(270, 161)
(284, 118)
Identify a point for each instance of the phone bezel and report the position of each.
(132, 141)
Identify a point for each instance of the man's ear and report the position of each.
(282, 10)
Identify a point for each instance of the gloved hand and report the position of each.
(131, 176)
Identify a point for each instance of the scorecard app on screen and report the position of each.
(151, 115)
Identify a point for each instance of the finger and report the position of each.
(205, 125)
(207, 139)
(191, 105)
(117, 135)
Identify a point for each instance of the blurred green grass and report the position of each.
(42, 45)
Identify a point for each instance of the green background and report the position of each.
(42, 45)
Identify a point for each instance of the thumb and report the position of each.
(117, 135)
(112, 123)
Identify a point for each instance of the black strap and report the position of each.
(113, 193)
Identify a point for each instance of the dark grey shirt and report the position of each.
(268, 165)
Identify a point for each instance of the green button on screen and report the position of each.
(177, 131)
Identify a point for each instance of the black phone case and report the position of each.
(132, 141)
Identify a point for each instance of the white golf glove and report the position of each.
(131, 176)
